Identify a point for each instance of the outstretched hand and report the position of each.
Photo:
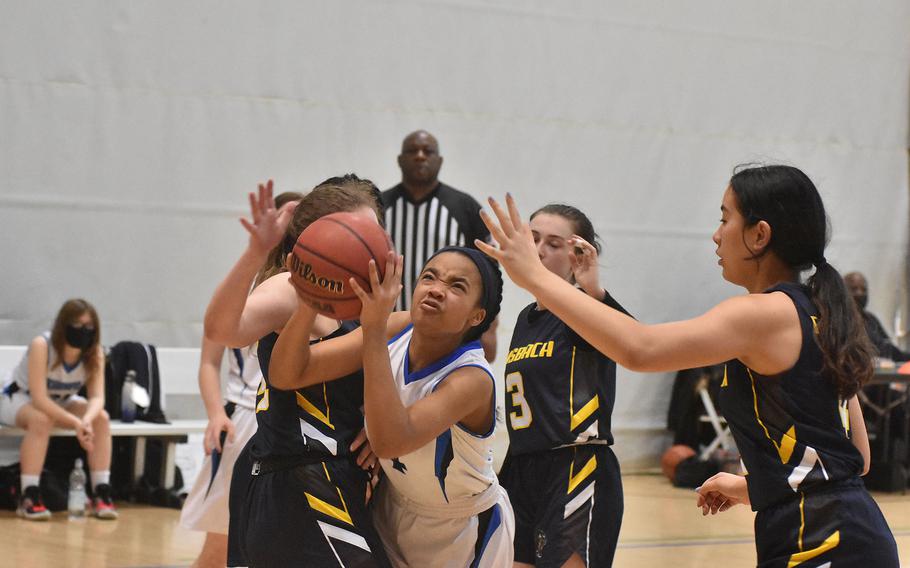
(269, 224)
(516, 251)
(379, 302)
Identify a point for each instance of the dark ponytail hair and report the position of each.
(786, 199)
(580, 222)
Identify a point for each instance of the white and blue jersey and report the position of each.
(443, 500)
(244, 377)
(62, 380)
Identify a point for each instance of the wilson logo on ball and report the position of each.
(304, 272)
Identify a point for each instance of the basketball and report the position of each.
(672, 457)
(332, 250)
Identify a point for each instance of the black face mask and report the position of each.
(79, 337)
(861, 301)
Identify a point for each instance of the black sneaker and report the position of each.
(102, 504)
(31, 506)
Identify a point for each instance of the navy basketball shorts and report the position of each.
(565, 500)
(835, 525)
(306, 515)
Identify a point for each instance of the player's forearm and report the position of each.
(94, 387)
(387, 417)
(614, 334)
(210, 390)
(858, 434)
(291, 355)
(94, 408)
(222, 317)
(742, 491)
(55, 412)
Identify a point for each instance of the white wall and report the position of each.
(130, 132)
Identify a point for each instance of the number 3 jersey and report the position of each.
(792, 429)
(559, 389)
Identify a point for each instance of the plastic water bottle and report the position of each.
(75, 502)
(127, 405)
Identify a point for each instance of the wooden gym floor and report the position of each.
(661, 527)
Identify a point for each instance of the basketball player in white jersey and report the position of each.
(429, 402)
(230, 426)
(42, 392)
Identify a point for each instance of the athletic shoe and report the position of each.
(102, 504)
(31, 507)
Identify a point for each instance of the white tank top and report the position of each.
(453, 470)
(244, 376)
(62, 381)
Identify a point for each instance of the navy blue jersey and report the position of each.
(559, 389)
(321, 419)
(792, 429)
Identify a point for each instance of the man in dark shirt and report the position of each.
(859, 289)
(424, 215)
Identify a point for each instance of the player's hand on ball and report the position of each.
(269, 224)
(517, 252)
(379, 302)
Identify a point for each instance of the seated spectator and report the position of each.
(41, 393)
(859, 290)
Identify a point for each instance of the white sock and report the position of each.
(100, 478)
(29, 480)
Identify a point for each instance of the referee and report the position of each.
(424, 215)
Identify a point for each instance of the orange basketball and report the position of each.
(332, 250)
(672, 457)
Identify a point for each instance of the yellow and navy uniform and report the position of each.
(319, 420)
(297, 496)
(793, 433)
(561, 475)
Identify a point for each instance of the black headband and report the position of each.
(490, 293)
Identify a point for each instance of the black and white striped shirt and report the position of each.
(445, 217)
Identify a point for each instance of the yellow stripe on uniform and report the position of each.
(785, 450)
(588, 469)
(800, 557)
(576, 418)
(802, 519)
(330, 510)
(586, 411)
(311, 409)
(336, 513)
(263, 404)
(844, 416)
(785, 447)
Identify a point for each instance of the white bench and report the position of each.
(177, 368)
(171, 434)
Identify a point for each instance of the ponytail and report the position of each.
(846, 350)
